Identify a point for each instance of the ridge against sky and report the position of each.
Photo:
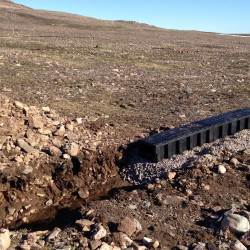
(221, 16)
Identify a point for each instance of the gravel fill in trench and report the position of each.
(141, 171)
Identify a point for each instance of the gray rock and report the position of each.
(188, 91)
(150, 243)
(236, 223)
(173, 200)
(146, 204)
(246, 167)
(231, 210)
(54, 233)
(72, 136)
(71, 149)
(94, 244)
(25, 146)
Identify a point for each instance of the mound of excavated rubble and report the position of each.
(46, 158)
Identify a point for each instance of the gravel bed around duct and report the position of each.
(141, 171)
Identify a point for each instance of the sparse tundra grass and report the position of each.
(123, 73)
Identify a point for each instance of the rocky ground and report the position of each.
(58, 194)
(76, 95)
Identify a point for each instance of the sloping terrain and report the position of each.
(76, 95)
(125, 73)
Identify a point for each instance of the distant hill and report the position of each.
(25, 15)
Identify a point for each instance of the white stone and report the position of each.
(28, 169)
(221, 169)
(100, 233)
(138, 225)
(4, 239)
(236, 223)
(54, 233)
(66, 156)
(46, 109)
(79, 120)
(239, 245)
(151, 243)
(127, 239)
(105, 246)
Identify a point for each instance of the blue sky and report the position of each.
(222, 16)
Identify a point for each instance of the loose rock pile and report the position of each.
(90, 235)
(34, 144)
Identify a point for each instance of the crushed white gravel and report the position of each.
(140, 171)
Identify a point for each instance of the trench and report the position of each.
(99, 174)
(54, 216)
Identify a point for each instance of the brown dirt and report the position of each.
(184, 222)
(127, 80)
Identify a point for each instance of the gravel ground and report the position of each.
(141, 171)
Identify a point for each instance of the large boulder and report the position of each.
(236, 223)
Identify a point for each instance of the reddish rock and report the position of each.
(70, 127)
(33, 123)
(127, 226)
(56, 143)
(60, 131)
(55, 151)
(18, 159)
(84, 223)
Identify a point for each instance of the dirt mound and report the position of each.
(45, 162)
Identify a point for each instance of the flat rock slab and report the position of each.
(170, 200)
(127, 226)
(84, 223)
(25, 146)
